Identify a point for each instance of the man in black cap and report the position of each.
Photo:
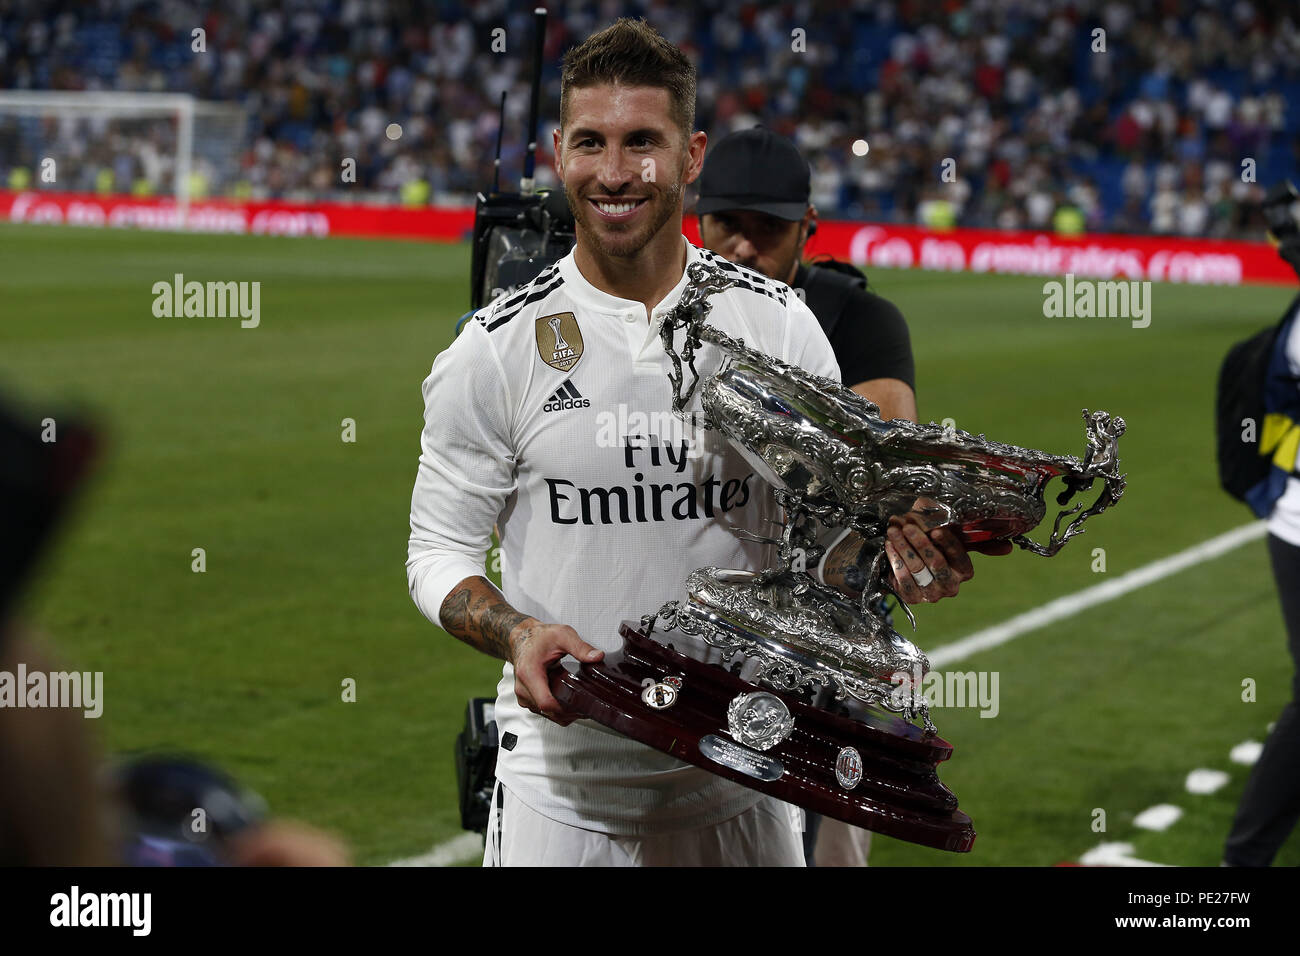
(754, 210)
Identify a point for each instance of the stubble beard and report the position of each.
(787, 268)
(625, 245)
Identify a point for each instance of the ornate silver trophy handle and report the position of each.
(1101, 460)
(691, 313)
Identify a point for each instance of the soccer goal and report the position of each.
(108, 142)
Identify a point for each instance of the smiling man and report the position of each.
(593, 530)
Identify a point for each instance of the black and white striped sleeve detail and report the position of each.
(509, 306)
(746, 278)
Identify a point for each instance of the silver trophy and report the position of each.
(834, 463)
(805, 706)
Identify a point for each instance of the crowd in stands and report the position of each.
(1163, 116)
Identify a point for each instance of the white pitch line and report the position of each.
(1246, 752)
(467, 846)
(1160, 817)
(1114, 854)
(459, 849)
(1203, 780)
(1072, 604)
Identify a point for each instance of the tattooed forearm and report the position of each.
(477, 613)
(842, 569)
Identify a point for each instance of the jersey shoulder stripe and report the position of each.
(509, 303)
(536, 295)
(747, 278)
(499, 314)
(512, 299)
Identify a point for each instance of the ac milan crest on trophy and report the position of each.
(817, 719)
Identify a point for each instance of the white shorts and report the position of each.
(839, 844)
(767, 834)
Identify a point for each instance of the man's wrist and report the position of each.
(519, 635)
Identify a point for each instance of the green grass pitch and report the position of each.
(228, 439)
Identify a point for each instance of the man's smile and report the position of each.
(617, 209)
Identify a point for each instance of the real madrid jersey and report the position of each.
(550, 417)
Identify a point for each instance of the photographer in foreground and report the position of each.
(1266, 369)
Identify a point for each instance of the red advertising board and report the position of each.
(251, 218)
(1099, 256)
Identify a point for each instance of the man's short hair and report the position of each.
(632, 53)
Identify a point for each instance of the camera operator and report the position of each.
(754, 210)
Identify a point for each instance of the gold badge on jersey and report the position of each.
(559, 340)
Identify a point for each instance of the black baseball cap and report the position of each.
(755, 169)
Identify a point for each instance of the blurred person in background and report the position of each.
(51, 813)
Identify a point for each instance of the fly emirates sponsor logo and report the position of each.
(648, 499)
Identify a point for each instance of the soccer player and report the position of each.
(550, 416)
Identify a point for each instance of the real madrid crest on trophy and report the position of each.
(818, 721)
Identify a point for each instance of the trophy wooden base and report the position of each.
(892, 788)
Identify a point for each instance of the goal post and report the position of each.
(91, 130)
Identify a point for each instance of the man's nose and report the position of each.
(615, 169)
(744, 250)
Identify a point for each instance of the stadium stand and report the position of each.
(1046, 130)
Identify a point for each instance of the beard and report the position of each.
(786, 266)
(619, 241)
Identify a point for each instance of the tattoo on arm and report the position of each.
(841, 569)
(476, 612)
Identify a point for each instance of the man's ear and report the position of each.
(809, 224)
(555, 144)
(695, 156)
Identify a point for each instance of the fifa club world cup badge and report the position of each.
(559, 340)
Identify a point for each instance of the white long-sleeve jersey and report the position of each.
(550, 416)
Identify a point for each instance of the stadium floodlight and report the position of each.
(94, 126)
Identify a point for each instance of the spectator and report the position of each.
(995, 86)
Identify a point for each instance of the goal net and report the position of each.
(144, 144)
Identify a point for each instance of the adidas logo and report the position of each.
(566, 396)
